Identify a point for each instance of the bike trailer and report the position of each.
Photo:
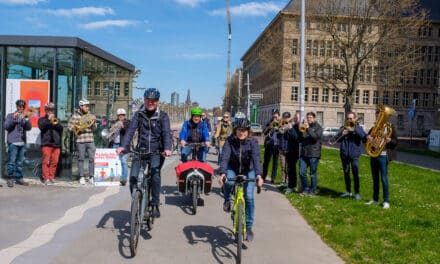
(186, 168)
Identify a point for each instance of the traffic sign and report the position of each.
(256, 96)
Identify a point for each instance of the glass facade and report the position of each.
(73, 73)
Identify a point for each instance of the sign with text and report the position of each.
(107, 167)
(256, 96)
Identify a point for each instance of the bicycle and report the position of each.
(141, 206)
(196, 181)
(238, 214)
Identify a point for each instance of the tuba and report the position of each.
(85, 121)
(381, 130)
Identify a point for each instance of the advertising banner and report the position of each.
(107, 167)
(36, 94)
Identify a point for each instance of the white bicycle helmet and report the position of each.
(121, 111)
(83, 102)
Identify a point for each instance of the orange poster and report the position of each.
(36, 95)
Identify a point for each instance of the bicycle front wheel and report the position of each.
(150, 218)
(239, 233)
(135, 222)
(194, 196)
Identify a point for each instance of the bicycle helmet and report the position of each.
(196, 111)
(20, 102)
(152, 93)
(83, 102)
(242, 123)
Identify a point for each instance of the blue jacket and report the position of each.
(351, 143)
(241, 156)
(185, 132)
(16, 128)
(154, 131)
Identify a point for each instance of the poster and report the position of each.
(36, 94)
(107, 167)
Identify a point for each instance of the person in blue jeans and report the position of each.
(379, 166)
(194, 131)
(241, 155)
(115, 136)
(16, 124)
(310, 154)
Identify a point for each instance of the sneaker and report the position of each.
(91, 180)
(249, 235)
(304, 193)
(52, 181)
(21, 182)
(289, 190)
(10, 183)
(386, 205)
(371, 202)
(346, 194)
(357, 197)
(156, 212)
(227, 206)
(82, 180)
(47, 182)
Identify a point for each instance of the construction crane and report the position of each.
(228, 65)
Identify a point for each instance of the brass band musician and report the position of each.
(51, 131)
(83, 124)
(271, 146)
(16, 124)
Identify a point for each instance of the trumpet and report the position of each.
(54, 121)
(284, 126)
(303, 128)
(22, 114)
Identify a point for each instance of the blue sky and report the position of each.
(177, 44)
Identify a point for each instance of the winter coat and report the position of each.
(50, 133)
(16, 128)
(351, 143)
(311, 141)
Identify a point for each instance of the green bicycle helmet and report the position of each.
(196, 111)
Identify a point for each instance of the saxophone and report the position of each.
(85, 121)
(381, 130)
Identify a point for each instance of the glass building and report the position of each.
(75, 69)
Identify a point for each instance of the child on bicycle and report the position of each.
(241, 155)
(194, 131)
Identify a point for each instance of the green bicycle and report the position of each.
(238, 213)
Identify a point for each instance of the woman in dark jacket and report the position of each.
(241, 155)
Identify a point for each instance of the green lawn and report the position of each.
(408, 232)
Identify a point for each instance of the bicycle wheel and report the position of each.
(135, 222)
(194, 196)
(239, 233)
(150, 218)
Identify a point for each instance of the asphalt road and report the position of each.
(68, 223)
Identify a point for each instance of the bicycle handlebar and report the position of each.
(242, 179)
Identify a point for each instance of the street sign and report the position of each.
(256, 96)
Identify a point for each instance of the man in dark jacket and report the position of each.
(351, 136)
(271, 145)
(292, 154)
(154, 136)
(16, 124)
(310, 154)
(51, 131)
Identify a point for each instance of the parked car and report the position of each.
(329, 132)
(256, 129)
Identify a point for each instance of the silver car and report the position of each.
(256, 129)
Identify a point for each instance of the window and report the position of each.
(368, 74)
(421, 76)
(361, 118)
(396, 98)
(295, 47)
(385, 98)
(435, 77)
(320, 118)
(366, 97)
(306, 94)
(400, 122)
(294, 95)
(89, 88)
(428, 76)
(294, 71)
(322, 48)
(315, 94)
(325, 95)
(340, 119)
(329, 48)
(405, 101)
(375, 97)
(126, 88)
(309, 47)
(118, 88)
(315, 47)
(416, 97)
(356, 96)
(97, 88)
(434, 99)
(425, 99)
(106, 89)
(335, 97)
(361, 74)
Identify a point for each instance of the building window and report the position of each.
(435, 77)
(405, 101)
(421, 76)
(97, 88)
(89, 88)
(375, 97)
(340, 119)
(325, 95)
(106, 89)
(126, 88)
(294, 70)
(315, 94)
(306, 94)
(309, 47)
(425, 99)
(320, 118)
(385, 98)
(335, 96)
(428, 77)
(295, 47)
(400, 122)
(434, 99)
(294, 95)
(307, 70)
(396, 98)
(315, 47)
(118, 88)
(361, 74)
(322, 48)
(368, 74)
(361, 118)
(329, 48)
(366, 97)
(356, 96)
(416, 97)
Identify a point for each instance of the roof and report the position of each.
(63, 42)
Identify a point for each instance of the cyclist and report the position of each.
(154, 134)
(241, 155)
(194, 131)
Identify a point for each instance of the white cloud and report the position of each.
(22, 2)
(197, 56)
(109, 23)
(82, 11)
(251, 9)
(191, 3)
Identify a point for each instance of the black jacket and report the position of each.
(241, 156)
(311, 141)
(50, 133)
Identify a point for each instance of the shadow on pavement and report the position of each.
(121, 223)
(219, 237)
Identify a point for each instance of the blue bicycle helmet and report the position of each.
(152, 93)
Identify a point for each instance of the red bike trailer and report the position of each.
(186, 168)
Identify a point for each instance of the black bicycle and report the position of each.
(141, 202)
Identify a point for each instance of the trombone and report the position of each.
(349, 125)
